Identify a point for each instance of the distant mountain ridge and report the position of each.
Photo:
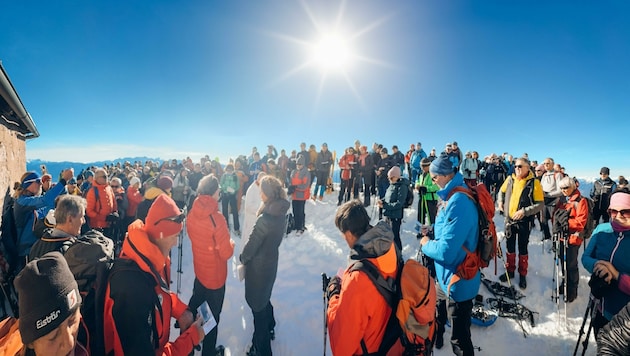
(55, 168)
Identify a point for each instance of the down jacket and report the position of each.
(210, 240)
(614, 338)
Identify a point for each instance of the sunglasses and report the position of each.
(564, 188)
(114, 186)
(538, 170)
(625, 213)
(518, 166)
(434, 178)
(176, 219)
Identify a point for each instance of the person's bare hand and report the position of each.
(606, 270)
(67, 174)
(198, 324)
(185, 320)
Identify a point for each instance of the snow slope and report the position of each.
(298, 298)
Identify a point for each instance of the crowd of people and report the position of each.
(141, 206)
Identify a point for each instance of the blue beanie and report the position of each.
(441, 166)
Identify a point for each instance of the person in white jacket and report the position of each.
(252, 204)
(469, 169)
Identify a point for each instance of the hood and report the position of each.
(140, 249)
(374, 243)
(277, 207)
(153, 193)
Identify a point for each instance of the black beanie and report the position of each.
(48, 295)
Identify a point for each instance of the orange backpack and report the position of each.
(412, 297)
(486, 249)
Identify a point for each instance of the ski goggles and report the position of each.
(176, 219)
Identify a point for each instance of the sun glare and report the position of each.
(332, 52)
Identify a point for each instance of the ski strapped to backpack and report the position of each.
(412, 296)
(487, 242)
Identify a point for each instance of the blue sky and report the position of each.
(104, 80)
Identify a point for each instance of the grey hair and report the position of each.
(69, 205)
(567, 182)
(208, 185)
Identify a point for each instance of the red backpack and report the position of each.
(486, 249)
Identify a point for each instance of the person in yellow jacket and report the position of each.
(520, 198)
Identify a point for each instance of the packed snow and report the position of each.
(299, 306)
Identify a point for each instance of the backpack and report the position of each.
(412, 297)
(90, 258)
(590, 222)
(487, 240)
(409, 199)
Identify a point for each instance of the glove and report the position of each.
(113, 217)
(291, 189)
(334, 287)
(467, 171)
(422, 189)
(560, 221)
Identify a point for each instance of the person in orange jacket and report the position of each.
(300, 192)
(578, 213)
(139, 304)
(357, 313)
(212, 247)
(101, 203)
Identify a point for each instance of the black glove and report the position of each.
(560, 221)
(113, 217)
(467, 171)
(422, 189)
(334, 287)
(291, 189)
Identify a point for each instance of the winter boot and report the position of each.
(220, 350)
(510, 267)
(503, 278)
(522, 271)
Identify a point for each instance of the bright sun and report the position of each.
(332, 52)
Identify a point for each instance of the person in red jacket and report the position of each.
(357, 313)
(139, 304)
(134, 197)
(211, 248)
(300, 192)
(578, 213)
(346, 164)
(101, 203)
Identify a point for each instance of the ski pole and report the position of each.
(586, 314)
(566, 278)
(588, 334)
(325, 281)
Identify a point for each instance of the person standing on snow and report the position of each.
(456, 225)
(322, 167)
(212, 247)
(520, 198)
(357, 313)
(300, 191)
(602, 189)
(392, 203)
(260, 258)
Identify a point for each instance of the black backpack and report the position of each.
(90, 258)
(409, 199)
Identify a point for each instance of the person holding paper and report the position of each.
(212, 247)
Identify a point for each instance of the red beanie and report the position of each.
(162, 219)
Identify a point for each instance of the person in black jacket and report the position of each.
(382, 182)
(393, 202)
(260, 258)
(600, 193)
(366, 174)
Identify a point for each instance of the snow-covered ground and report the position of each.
(299, 306)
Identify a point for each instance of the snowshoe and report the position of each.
(511, 310)
(483, 317)
(501, 291)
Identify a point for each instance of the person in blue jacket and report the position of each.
(456, 226)
(607, 256)
(30, 204)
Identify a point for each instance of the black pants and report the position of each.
(367, 190)
(356, 182)
(298, 214)
(600, 213)
(214, 297)
(395, 223)
(344, 190)
(572, 271)
(518, 231)
(228, 201)
(461, 341)
(264, 322)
